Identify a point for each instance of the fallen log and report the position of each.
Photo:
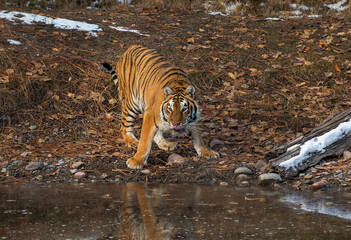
(330, 138)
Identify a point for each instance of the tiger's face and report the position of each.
(179, 109)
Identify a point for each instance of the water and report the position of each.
(140, 211)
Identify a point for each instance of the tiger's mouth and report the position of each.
(178, 127)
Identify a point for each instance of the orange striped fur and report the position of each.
(150, 85)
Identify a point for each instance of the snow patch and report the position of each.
(60, 23)
(274, 19)
(317, 145)
(301, 7)
(13, 42)
(228, 8)
(124, 29)
(216, 13)
(317, 206)
(338, 6)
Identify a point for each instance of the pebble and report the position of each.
(34, 166)
(242, 177)
(80, 175)
(104, 175)
(73, 171)
(32, 127)
(146, 171)
(318, 185)
(39, 178)
(261, 165)
(308, 181)
(60, 162)
(216, 142)
(211, 125)
(268, 178)
(244, 184)
(242, 170)
(223, 184)
(77, 165)
(175, 159)
(3, 170)
(347, 154)
(25, 154)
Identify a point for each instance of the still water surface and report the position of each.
(141, 211)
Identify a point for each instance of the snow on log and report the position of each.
(330, 138)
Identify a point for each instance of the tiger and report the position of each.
(148, 84)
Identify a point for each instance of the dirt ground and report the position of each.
(260, 84)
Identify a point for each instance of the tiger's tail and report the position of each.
(112, 72)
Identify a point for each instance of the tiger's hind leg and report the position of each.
(163, 144)
(128, 119)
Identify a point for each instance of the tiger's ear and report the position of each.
(168, 91)
(190, 90)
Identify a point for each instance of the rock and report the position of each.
(80, 175)
(318, 185)
(244, 184)
(34, 166)
(3, 170)
(223, 184)
(242, 177)
(242, 170)
(60, 162)
(347, 154)
(77, 165)
(104, 175)
(261, 165)
(216, 142)
(268, 178)
(32, 127)
(308, 181)
(146, 171)
(25, 154)
(211, 125)
(39, 178)
(175, 159)
(73, 171)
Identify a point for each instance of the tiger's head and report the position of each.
(179, 109)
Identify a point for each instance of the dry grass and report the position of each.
(267, 8)
(59, 4)
(178, 5)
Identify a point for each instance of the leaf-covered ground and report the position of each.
(260, 84)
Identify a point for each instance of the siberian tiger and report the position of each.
(148, 84)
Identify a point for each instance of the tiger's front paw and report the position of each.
(135, 163)
(207, 153)
(168, 146)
